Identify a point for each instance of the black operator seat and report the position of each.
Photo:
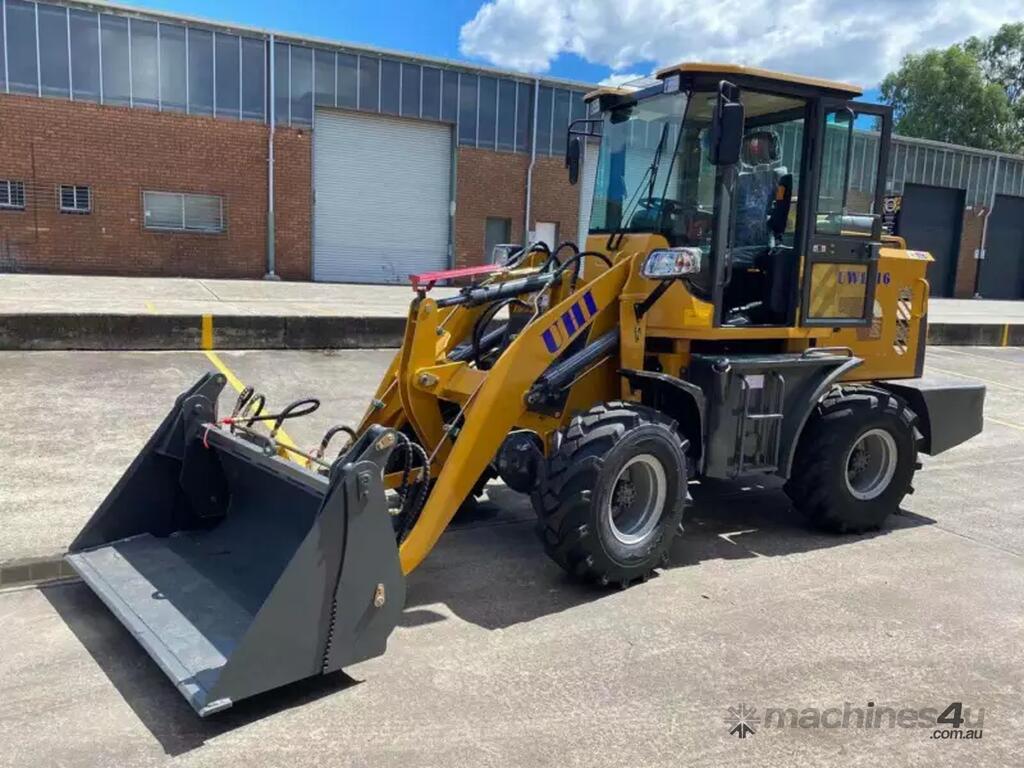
(761, 261)
(756, 186)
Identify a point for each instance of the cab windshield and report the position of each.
(654, 173)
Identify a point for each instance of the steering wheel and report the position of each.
(660, 205)
(652, 211)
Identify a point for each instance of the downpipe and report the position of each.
(529, 168)
(271, 224)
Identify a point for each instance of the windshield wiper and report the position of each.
(615, 238)
(656, 161)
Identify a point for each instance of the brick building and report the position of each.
(139, 143)
(136, 143)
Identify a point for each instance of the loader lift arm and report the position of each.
(495, 400)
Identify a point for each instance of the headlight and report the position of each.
(672, 262)
(505, 254)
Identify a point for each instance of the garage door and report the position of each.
(1002, 271)
(382, 193)
(930, 219)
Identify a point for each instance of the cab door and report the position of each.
(840, 272)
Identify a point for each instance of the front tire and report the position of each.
(612, 497)
(855, 460)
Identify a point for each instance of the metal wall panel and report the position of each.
(382, 196)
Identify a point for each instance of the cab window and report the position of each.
(849, 162)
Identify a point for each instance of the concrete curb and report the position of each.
(51, 331)
(976, 334)
(30, 571)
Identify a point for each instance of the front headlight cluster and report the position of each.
(672, 262)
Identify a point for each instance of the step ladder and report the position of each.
(761, 428)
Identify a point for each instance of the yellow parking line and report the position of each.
(1006, 334)
(975, 378)
(233, 380)
(1002, 359)
(1005, 423)
(238, 386)
(206, 336)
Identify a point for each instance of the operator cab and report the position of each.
(776, 241)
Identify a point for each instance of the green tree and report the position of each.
(1002, 62)
(944, 95)
(1002, 59)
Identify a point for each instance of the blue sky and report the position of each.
(621, 39)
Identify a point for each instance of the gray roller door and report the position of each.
(930, 220)
(382, 201)
(1002, 271)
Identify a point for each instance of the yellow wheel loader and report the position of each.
(736, 310)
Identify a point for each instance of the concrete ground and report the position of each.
(500, 660)
(73, 294)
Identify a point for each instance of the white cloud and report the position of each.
(855, 41)
(617, 79)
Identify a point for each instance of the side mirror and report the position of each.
(727, 127)
(572, 158)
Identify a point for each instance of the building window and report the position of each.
(75, 199)
(173, 68)
(467, 109)
(496, 232)
(324, 77)
(115, 85)
(390, 85)
(227, 66)
(52, 29)
(253, 78)
(181, 212)
(85, 56)
(22, 63)
(145, 73)
(12, 195)
(200, 71)
(301, 67)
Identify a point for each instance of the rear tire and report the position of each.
(612, 495)
(855, 460)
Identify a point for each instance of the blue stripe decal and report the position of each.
(570, 326)
(591, 304)
(577, 313)
(549, 341)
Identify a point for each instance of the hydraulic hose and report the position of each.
(577, 259)
(553, 256)
(410, 514)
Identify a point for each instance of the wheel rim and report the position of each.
(637, 499)
(871, 464)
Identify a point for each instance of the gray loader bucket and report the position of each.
(239, 571)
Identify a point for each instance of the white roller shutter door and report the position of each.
(382, 191)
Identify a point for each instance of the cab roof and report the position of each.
(606, 90)
(696, 69)
(746, 77)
